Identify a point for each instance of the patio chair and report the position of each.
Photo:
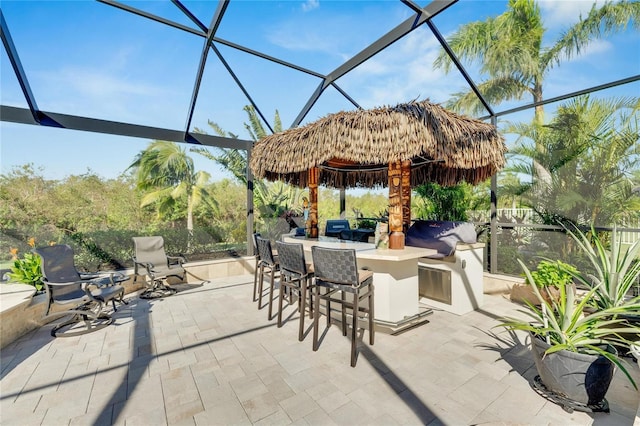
(87, 294)
(336, 270)
(151, 261)
(268, 265)
(296, 276)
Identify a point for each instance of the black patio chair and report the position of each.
(151, 261)
(87, 294)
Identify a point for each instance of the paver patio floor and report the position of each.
(208, 356)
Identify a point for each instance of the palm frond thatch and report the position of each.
(353, 149)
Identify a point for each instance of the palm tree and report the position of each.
(270, 198)
(509, 49)
(167, 174)
(584, 161)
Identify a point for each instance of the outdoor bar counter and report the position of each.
(395, 276)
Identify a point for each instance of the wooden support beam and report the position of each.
(406, 195)
(396, 236)
(314, 174)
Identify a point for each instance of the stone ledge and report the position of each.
(499, 284)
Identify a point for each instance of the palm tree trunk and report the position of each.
(189, 221)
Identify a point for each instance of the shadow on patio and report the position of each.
(209, 356)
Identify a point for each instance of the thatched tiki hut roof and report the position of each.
(353, 149)
(399, 147)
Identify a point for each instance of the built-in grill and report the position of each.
(451, 278)
(335, 226)
(339, 228)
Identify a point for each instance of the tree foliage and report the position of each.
(167, 176)
(437, 202)
(584, 161)
(511, 51)
(271, 199)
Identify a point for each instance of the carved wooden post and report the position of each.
(396, 236)
(313, 201)
(406, 195)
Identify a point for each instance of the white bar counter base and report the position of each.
(467, 278)
(395, 277)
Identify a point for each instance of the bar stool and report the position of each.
(336, 270)
(256, 270)
(296, 276)
(268, 265)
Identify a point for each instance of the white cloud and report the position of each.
(93, 92)
(562, 14)
(594, 47)
(401, 73)
(293, 39)
(310, 5)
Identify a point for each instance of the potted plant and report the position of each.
(613, 274)
(615, 271)
(548, 277)
(574, 352)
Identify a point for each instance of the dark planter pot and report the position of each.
(578, 377)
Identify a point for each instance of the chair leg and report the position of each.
(344, 314)
(302, 301)
(354, 330)
(309, 283)
(260, 284)
(255, 280)
(316, 319)
(271, 288)
(371, 314)
(280, 297)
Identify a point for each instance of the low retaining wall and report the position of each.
(21, 311)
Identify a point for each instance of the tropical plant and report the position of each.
(614, 271)
(583, 161)
(435, 202)
(27, 269)
(510, 49)
(552, 274)
(563, 324)
(168, 176)
(270, 198)
(366, 223)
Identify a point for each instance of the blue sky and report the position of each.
(90, 59)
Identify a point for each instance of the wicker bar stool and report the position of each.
(336, 270)
(268, 266)
(296, 276)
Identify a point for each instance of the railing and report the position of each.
(629, 232)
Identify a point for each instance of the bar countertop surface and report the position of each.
(365, 250)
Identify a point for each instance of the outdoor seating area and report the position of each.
(320, 213)
(207, 356)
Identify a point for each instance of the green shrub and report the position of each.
(367, 224)
(27, 270)
(552, 274)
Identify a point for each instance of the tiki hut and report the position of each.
(401, 146)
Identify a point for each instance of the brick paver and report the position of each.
(208, 356)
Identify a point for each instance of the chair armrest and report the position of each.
(173, 260)
(83, 283)
(148, 266)
(105, 279)
(88, 275)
